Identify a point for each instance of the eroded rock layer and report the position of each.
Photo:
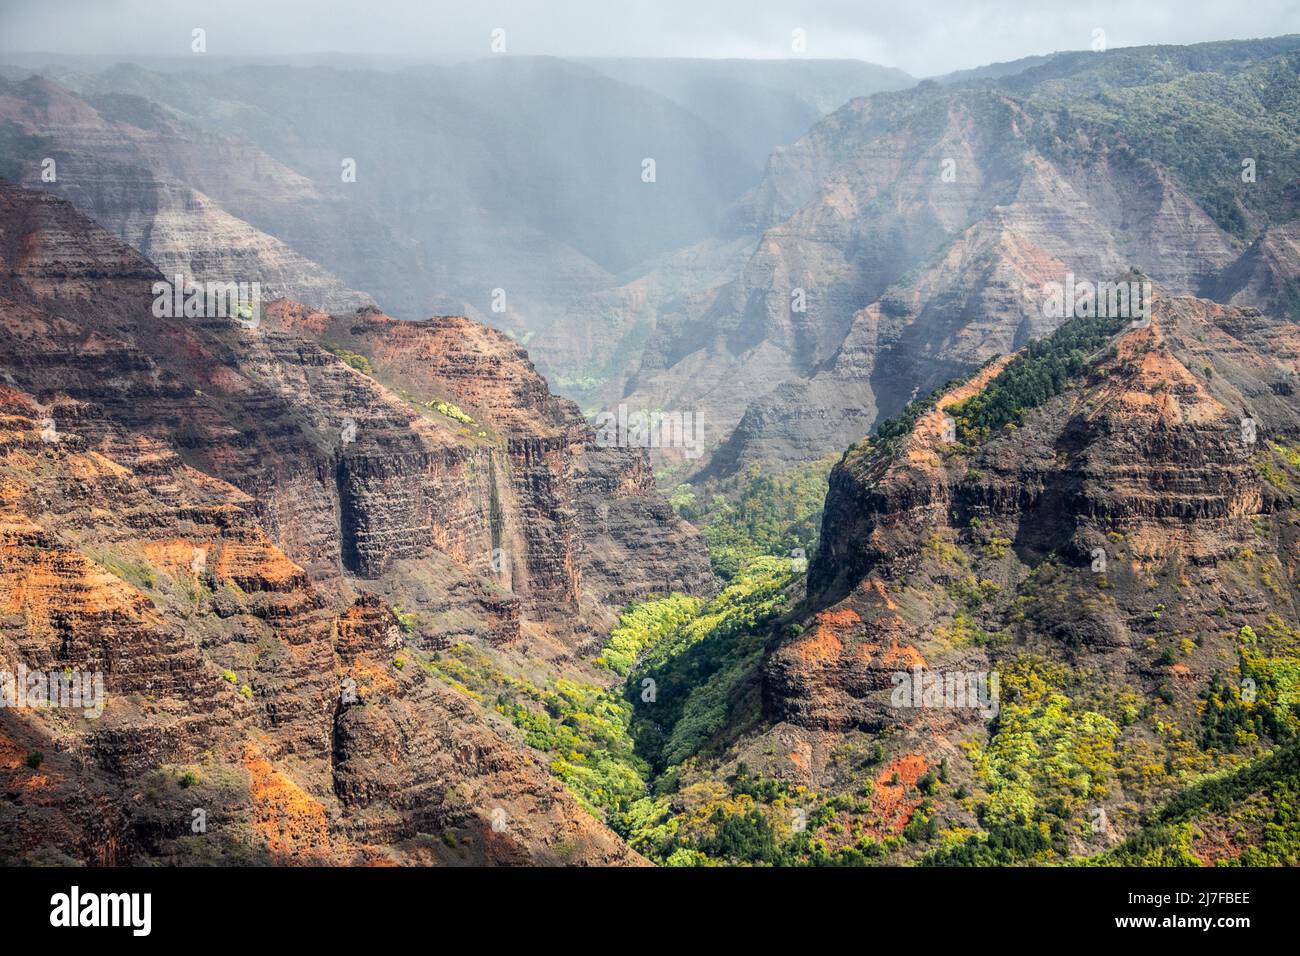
(253, 534)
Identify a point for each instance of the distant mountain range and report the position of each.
(920, 227)
(517, 174)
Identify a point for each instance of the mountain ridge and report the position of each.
(187, 511)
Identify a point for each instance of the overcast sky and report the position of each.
(923, 37)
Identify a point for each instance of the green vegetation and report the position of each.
(890, 433)
(605, 744)
(1210, 95)
(584, 729)
(1278, 463)
(698, 668)
(354, 359)
(1038, 374)
(691, 669)
(450, 411)
(644, 625)
(998, 845)
(1266, 701)
(1257, 807)
(140, 574)
(747, 821)
(749, 837)
(1049, 761)
(1047, 754)
(755, 514)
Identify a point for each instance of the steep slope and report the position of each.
(277, 514)
(304, 397)
(183, 197)
(442, 212)
(1045, 601)
(610, 536)
(230, 688)
(907, 237)
(535, 202)
(1267, 274)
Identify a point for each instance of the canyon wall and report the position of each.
(222, 518)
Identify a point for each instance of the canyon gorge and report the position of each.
(367, 585)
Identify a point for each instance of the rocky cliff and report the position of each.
(569, 523)
(220, 519)
(907, 238)
(1073, 612)
(187, 199)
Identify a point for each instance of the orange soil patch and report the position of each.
(173, 556)
(289, 821)
(1157, 385)
(1214, 843)
(12, 756)
(801, 758)
(296, 317)
(13, 762)
(929, 427)
(877, 586)
(371, 678)
(889, 800)
(826, 642)
(93, 465)
(256, 561)
(901, 656)
(68, 581)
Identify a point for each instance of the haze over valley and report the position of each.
(767, 442)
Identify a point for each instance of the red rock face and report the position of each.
(1123, 535)
(1143, 462)
(577, 525)
(219, 520)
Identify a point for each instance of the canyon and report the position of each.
(228, 172)
(907, 237)
(958, 575)
(1112, 575)
(902, 240)
(193, 524)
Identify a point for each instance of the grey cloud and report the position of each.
(924, 37)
